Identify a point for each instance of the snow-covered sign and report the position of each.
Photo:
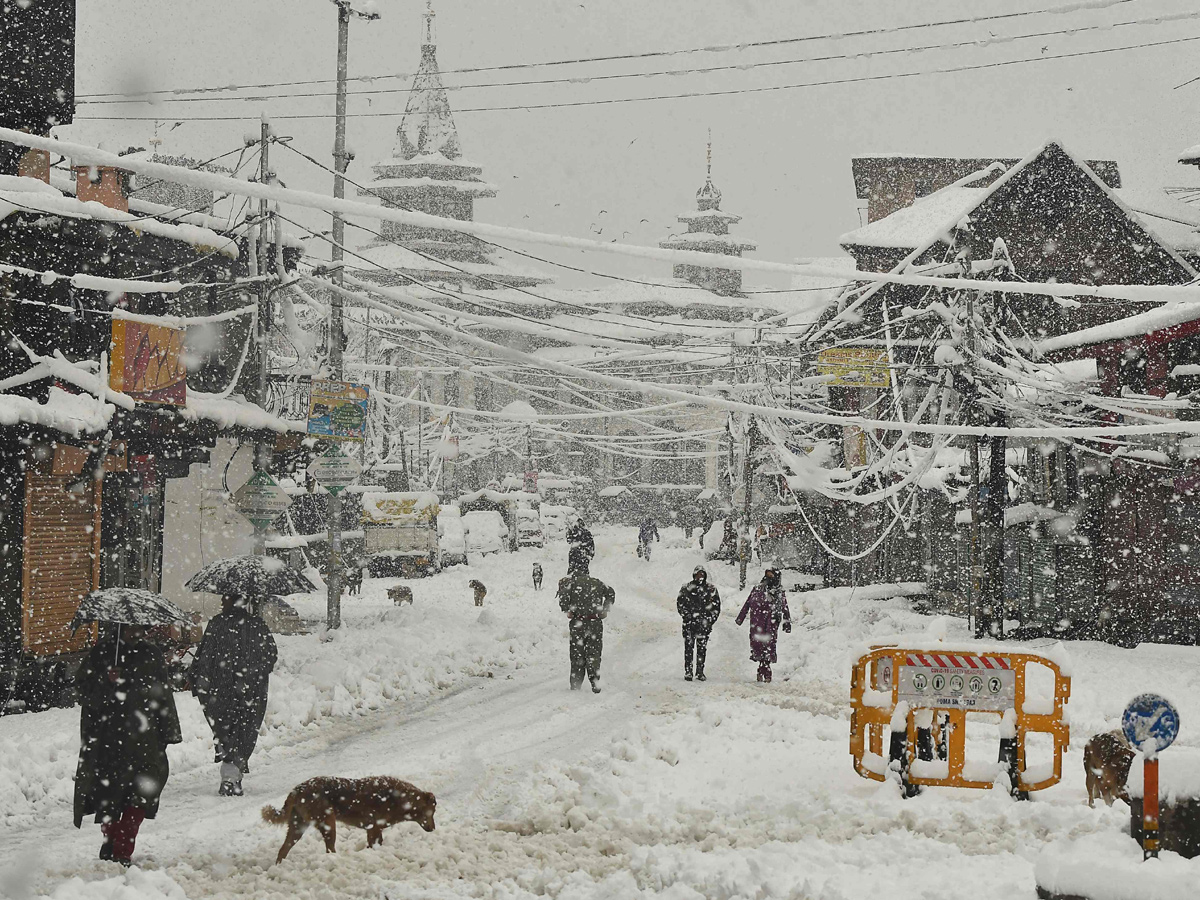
(1151, 719)
(334, 470)
(956, 681)
(855, 366)
(338, 409)
(261, 499)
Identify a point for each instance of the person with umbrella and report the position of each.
(235, 658)
(127, 717)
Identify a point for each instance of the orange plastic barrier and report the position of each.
(941, 687)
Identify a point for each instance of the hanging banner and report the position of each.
(338, 410)
(855, 366)
(146, 362)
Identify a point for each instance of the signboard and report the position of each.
(334, 470)
(338, 410)
(1149, 717)
(855, 366)
(146, 362)
(261, 500)
(957, 681)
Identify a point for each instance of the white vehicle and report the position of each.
(555, 521)
(452, 536)
(529, 528)
(486, 531)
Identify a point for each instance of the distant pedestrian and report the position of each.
(579, 536)
(646, 532)
(768, 609)
(699, 605)
(480, 590)
(127, 719)
(586, 601)
(706, 523)
(537, 576)
(230, 678)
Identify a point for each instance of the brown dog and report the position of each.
(1106, 761)
(480, 591)
(371, 803)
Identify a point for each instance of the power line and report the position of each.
(830, 82)
(975, 43)
(658, 54)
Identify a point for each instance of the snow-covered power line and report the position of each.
(1165, 426)
(93, 156)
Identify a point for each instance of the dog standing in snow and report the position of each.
(370, 803)
(537, 576)
(401, 594)
(479, 589)
(1106, 761)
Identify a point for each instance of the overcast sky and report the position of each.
(781, 158)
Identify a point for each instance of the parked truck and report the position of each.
(400, 533)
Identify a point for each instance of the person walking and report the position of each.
(127, 719)
(768, 609)
(230, 677)
(706, 523)
(579, 536)
(646, 531)
(586, 601)
(699, 605)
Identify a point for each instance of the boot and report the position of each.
(687, 676)
(767, 674)
(700, 676)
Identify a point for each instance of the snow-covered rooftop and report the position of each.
(920, 223)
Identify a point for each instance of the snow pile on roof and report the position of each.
(520, 410)
(236, 412)
(928, 219)
(392, 507)
(73, 414)
(25, 198)
(1172, 220)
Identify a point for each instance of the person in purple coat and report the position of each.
(768, 609)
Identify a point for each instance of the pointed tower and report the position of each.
(427, 173)
(708, 232)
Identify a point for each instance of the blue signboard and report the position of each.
(1149, 717)
(338, 410)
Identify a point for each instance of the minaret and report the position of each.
(427, 173)
(708, 232)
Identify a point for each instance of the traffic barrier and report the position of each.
(922, 697)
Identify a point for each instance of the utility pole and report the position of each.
(262, 453)
(341, 161)
(748, 487)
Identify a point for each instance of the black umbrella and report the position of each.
(253, 576)
(127, 606)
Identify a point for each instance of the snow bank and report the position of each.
(1109, 866)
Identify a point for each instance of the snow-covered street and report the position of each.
(655, 787)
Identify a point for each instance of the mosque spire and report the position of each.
(708, 197)
(428, 124)
(430, 15)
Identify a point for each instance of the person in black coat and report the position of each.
(127, 719)
(586, 601)
(229, 677)
(579, 536)
(699, 605)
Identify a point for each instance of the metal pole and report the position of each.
(262, 455)
(974, 603)
(333, 568)
(747, 483)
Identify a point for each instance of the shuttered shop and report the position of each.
(61, 559)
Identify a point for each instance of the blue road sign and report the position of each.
(1149, 717)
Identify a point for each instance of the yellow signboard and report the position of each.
(855, 366)
(147, 362)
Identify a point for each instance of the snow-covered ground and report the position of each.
(654, 788)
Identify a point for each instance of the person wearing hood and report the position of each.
(699, 605)
(768, 609)
(579, 536)
(127, 719)
(586, 601)
(230, 678)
